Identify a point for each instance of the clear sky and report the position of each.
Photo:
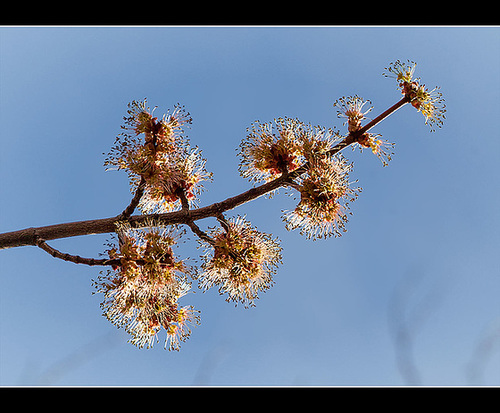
(419, 260)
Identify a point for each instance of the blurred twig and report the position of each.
(486, 346)
(76, 359)
(405, 322)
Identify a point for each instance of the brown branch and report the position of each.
(30, 236)
(383, 115)
(195, 228)
(349, 139)
(134, 202)
(74, 258)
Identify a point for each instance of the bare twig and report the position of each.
(134, 202)
(74, 258)
(195, 228)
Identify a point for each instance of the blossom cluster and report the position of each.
(351, 108)
(270, 149)
(146, 282)
(282, 146)
(240, 260)
(325, 194)
(142, 290)
(156, 152)
(429, 102)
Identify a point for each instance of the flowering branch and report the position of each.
(145, 280)
(30, 236)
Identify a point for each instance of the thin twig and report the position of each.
(202, 235)
(74, 258)
(184, 201)
(195, 228)
(134, 202)
(223, 221)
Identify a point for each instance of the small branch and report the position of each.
(292, 184)
(383, 115)
(202, 235)
(223, 221)
(134, 202)
(195, 228)
(30, 236)
(74, 258)
(184, 201)
(350, 139)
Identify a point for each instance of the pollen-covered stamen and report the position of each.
(280, 160)
(429, 103)
(325, 193)
(141, 294)
(241, 261)
(351, 108)
(379, 147)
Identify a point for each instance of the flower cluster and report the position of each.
(270, 149)
(351, 108)
(156, 152)
(240, 260)
(429, 102)
(273, 148)
(323, 187)
(325, 193)
(142, 290)
(379, 147)
(174, 174)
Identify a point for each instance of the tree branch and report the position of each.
(74, 258)
(134, 202)
(406, 99)
(195, 228)
(31, 236)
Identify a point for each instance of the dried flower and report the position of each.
(429, 103)
(241, 261)
(141, 293)
(325, 194)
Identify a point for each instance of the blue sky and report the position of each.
(421, 251)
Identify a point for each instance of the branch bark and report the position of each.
(32, 236)
(135, 201)
(74, 258)
(29, 236)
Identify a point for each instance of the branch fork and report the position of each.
(39, 236)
